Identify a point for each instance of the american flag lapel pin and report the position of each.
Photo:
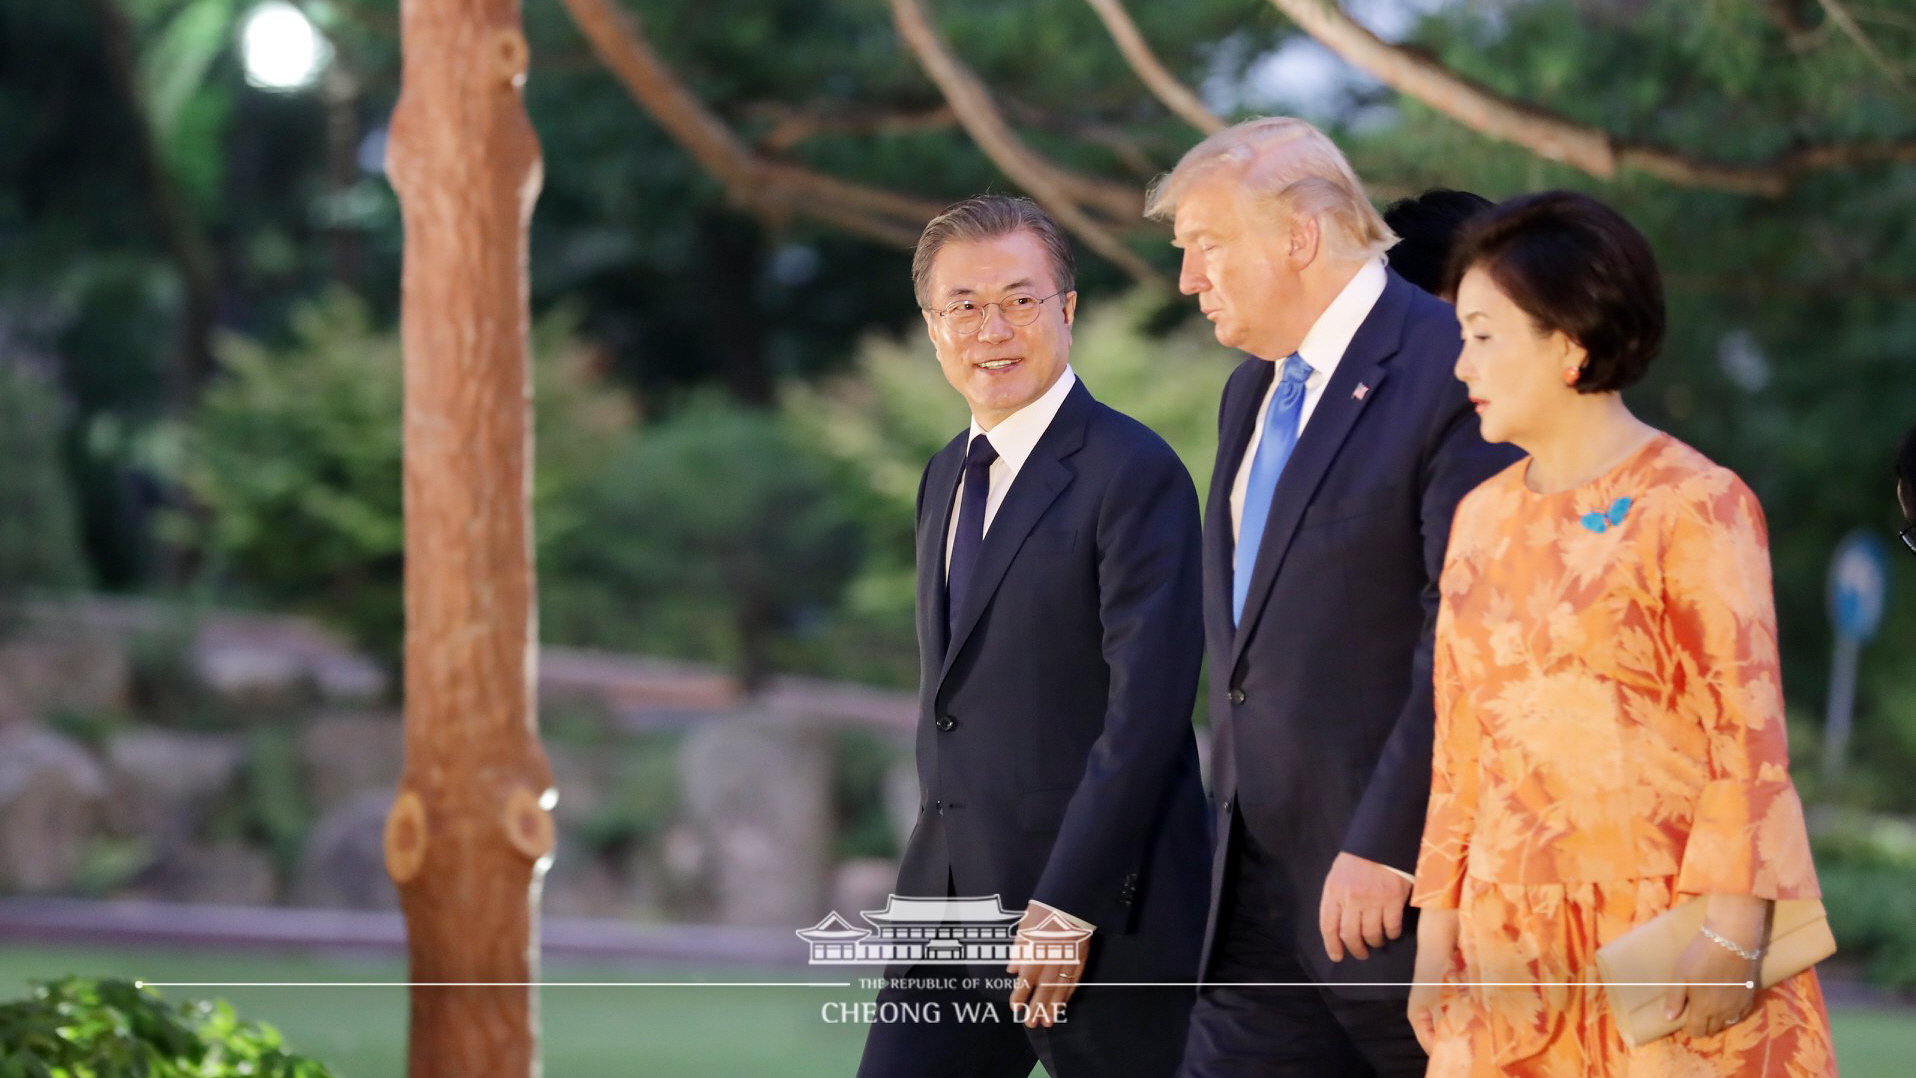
(1360, 392)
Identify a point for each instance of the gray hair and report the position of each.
(1285, 168)
(988, 217)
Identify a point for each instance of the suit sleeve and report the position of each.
(1389, 822)
(1149, 603)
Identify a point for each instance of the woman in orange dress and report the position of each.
(1610, 735)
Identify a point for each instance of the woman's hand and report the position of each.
(1718, 984)
(1436, 943)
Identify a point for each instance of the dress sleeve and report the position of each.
(1748, 835)
(1442, 857)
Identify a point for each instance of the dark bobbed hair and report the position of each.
(987, 217)
(1573, 265)
(1426, 225)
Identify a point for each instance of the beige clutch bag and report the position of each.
(1637, 965)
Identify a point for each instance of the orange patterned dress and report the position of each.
(1609, 741)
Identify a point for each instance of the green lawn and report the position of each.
(665, 1032)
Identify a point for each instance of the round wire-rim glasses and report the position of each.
(967, 316)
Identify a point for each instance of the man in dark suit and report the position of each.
(1344, 445)
(1060, 634)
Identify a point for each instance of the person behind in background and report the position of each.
(1426, 225)
(1059, 636)
(1344, 444)
(1610, 736)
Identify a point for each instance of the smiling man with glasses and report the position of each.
(1059, 638)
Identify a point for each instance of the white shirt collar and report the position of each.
(1017, 434)
(1331, 334)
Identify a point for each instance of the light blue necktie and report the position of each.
(1273, 449)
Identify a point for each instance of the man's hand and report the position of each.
(1042, 987)
(1363, 905)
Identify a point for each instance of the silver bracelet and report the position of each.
(1729, 945)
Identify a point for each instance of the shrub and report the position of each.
(713, 533)
(80, 1028)
(39, 523)
(295, 461)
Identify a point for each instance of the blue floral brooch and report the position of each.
(1604, 521)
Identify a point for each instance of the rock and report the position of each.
(346, 753)
(59, 669)
(225, 873)
(164, 783)
(901, 799)
(344, 860)
(51, 800)
(586, 779)
(759, 799)
(862, 884)
(260, 661)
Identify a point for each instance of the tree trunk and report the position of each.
(470, 832)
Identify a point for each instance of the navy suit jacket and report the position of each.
(1056, 756)
(1320, 698)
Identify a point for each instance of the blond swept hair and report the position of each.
(1284, 168)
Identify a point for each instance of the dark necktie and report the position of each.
(971, 526)
(1273, 450)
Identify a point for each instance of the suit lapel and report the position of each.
(1377, 340)
(1043, 477)
(941, 489)
(1234, 436)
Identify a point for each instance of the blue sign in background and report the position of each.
(1859, 579)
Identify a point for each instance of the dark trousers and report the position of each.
(1106, 1032)
(1312, 1031)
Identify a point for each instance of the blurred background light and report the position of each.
(281, 48)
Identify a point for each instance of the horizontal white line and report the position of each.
(1416, 984)
(847, 984)
(492, 984)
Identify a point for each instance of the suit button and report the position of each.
(1237, 696)
(938, 807)
(946, 723)
(1227, 806)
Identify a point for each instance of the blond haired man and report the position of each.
(1344, 446)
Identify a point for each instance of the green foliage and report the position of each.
(1867, 865)
(645, 799)
(39, 540)
(295, 457)
(714, 532)
(865, 762)
(78, 1028)
(275, 808)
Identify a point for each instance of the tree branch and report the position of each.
(1840, 15)
(1058, 190)
(1144, 63)
(772, 189)
(1558, 138)
(791, 126)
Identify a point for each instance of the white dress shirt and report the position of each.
(1323, 349)
(1015, 436)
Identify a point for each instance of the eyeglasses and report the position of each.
(1908, 536)
(968, 316)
